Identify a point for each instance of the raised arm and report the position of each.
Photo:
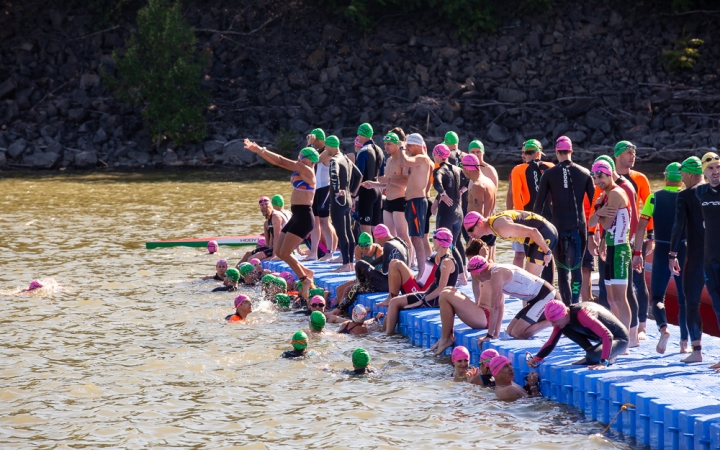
(274, 158)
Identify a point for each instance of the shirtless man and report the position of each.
(505, 388)
(481, 194)
(478, 149)
(416, 193)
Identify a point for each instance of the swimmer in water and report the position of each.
(34, 284)
(232, 277)
(505, 388)
(299, 343)
(212, 247)
(317, 322)
(360, 362)
(283, 301)
(276, 286)
(248, 274)
(220, 268)
(243, 307)
(358, 324)
(482, 375)
(461, 362)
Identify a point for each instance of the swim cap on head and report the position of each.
(332, 141)
(497, 364)
(607, 159)
(266, 279)
(282, 300)
(443, 237)
(317, 292)
(35, 284)
(317, 320)
(240, 299)
(623, 146)
(476, 144)
(357, 142)
(488, 355)
(392, 138)
(555, 310)
(264, 199)
(415, 139)
(279, 282)
(233, 274)
(245, 269)
(451, 138)
(602, 167)
(381, 231)
(221, 262)
(317, 299)
(365, 240)
(532, 145)
(261, 242)
(477, 264)
(472, 218)
(254, 261)
(299, 340)
(441, 151)
(672, 172)
(288, 277)
(365, 130)
(459, 353)
(318, 133)
(360, 358)
(692, 165)
(311, 154)
(359, 313)
(278, 200)
(709, 158)
(298, 285)
(470, 162)
(563, 143)
(212, 246)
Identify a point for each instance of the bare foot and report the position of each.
(310, 257)
(444, 344)
(715, 366)
(684, 347)
(345, 268)
(641, 335)
(693, 358)
(327, 257)
(662, 343)
(633, 344)
(336, 260)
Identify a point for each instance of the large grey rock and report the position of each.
(86, 160)
(597, 121)
(101, 136)
(89, 81)
(578, 107)
(17, 148)
(42, 160)
(212, 147)
(576, 136)
(316, 60)
(3, 159)
(511, 95)
(77, 114)
(332, 33)
(139, 157)
(7, 87)
(498, 134)
(297, 79)
(170, 158)
(236, 153)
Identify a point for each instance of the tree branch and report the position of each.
(49, 94)
(93, 34)
(236, 33)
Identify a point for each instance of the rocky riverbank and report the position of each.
(591, 71)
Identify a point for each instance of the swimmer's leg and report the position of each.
(394, 307)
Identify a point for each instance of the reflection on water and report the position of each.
(131, 350)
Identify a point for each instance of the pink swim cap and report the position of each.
(555, 310)
(316, 298)
(220, 262)
(472, 218)
(254, 261)
(212, 246)
(477, 264)
(497, 364)
(459, 353)
(287, 276)
(470, 162)
(488, 355)
(35, 284)
(240, 299)
(602, 167)
(264, 199)
(381, 231)
(261, 242)
(443, 237)
(441, 151)
(563, 143)
(357, 142)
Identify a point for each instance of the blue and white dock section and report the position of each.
(674, 405)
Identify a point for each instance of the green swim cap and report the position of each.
(299, 340)
(365, 130)
(282, 300)
(332, 141)
(607, 159)
(318, 133)
(245, 269)
(233, 274)
(532, 145)
(277, 281)
(266, 279)
(365, 240)
(360, 358)
(392, 138)
(317, 321)
(622, 146)
(451, 138)
(311, 154)
(278, 200)
(692, 165)
(316, 291)
(672, 172)
(477, 144)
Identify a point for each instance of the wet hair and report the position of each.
(399, 131)
(474, 248)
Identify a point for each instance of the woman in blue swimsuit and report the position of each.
(303, 220)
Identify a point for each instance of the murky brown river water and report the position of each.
(131, 350)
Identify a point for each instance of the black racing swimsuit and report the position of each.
(710, 204)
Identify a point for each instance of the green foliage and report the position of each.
(684, 55)
(161, 71)
(285, 141)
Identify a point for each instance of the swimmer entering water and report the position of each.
(243, 307)
(220, 268)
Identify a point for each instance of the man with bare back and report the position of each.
(481, 195)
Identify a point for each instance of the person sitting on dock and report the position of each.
(243, 307)
(232, 277)
(482, 375)
(585, 323)
(220, 268)
(505, 388)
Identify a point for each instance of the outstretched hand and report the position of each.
(252, 146)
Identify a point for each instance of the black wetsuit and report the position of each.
(225, 289)
(217, 277)
(589, 323)
(689, 226)
(370, 160)
(340, 172)
(293, 354)
(362, 371)
(567, 184)
(448, 179)
(709, 197)
(374, 280)
(487, 380)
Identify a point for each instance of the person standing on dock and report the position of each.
(321, 200)
(481, 195)
(662, 204)
(688, 226)
(371, 161)
(303, 220)
(448, 203)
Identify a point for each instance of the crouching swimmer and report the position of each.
(243, 307)
(585, 323)
(299, 343)
(505, 388)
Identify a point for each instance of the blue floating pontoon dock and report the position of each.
(675, 405)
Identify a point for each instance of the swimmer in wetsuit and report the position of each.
(299, 342)
(220, 268)
(585, 324)
(243, 307)
(482, 375)
(360, 362)
(370, 160)
(569, 186)
(688, 226)
(317, 322)
(230, 284)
